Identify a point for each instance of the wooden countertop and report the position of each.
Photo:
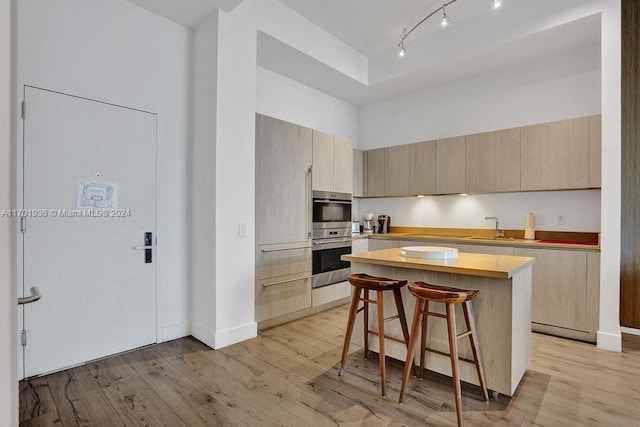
(484, 265)
(480, 240)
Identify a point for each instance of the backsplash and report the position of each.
(580, 209)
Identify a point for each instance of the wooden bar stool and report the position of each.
(362, 284)
(424, 294)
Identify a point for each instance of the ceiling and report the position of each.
(478, 40)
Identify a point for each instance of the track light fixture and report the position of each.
(444, 21)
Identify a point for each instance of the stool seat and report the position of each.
(441, 293)
(374, 283)
(362, 285)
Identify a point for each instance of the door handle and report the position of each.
(35, 296)
(147, 247)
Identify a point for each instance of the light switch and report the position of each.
(242, 229)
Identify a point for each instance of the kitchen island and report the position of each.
(502, 310)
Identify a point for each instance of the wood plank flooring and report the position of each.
(287, 376)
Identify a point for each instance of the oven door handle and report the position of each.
(323, 241)
(341, 202)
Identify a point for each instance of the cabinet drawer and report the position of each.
(282, 260)
(284, 295)
(330, 293)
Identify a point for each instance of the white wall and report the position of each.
(8, 315)
(580, 208)
(561, 86)
(286, 99)
(117, 52)
(203, 180)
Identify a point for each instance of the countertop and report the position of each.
(483, 265)
(483, 240)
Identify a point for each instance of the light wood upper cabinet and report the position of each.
(493, 161)
(555, 155)
(283, 158)
(342, 165)
(322, 161)
(450, 165)
(332, 163)
(422, 168)
(358, 173)
(396, 172)
(595, 151)
(374, 172)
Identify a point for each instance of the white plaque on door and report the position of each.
(97, 194)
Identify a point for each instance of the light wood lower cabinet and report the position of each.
(377, 244)
(565, 292)
(283, 284)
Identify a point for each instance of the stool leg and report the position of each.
(366, 323)
(471, 326)
(453, 350)
(397, 296)
(383, 373)
(417, 312)
(423, 337)
(353, 310)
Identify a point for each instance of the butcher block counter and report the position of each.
(502, 310)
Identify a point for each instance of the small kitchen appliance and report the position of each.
(368, 226)
(384, 224)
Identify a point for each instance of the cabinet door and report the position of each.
(493, 161)
(555, 155)
(422, 168)
(283, 157)
(342, 165)
(450, 165)
(359, 246)
(277, 297)
(559, 287)
(358, 173)
(595, 151)
(375, 172)
(396, 171)
(322, 161)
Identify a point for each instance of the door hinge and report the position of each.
(24, 109)
(23, 338)
(23, 224)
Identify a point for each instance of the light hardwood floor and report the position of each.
(287, 376)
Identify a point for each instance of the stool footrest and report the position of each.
(464, 359)
(431, 313)
(397, 316)
(388, 337)
(464, 334)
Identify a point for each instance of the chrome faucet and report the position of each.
(497, 232)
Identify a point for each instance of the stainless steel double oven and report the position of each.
(331, 235)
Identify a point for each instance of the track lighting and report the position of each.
(444, 21)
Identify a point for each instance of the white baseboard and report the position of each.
(629, 331)
(612, 342)
(203, 334)
(174, 331)
(235, 335)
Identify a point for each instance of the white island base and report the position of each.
(502, 311)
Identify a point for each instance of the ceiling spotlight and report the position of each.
(402, 51)
(445, 18)
(497, 4)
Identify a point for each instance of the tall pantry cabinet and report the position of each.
(283, 223)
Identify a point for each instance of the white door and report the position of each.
(98, 282)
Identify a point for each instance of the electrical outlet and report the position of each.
(539, 219)
(560, 219)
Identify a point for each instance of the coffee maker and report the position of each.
(384, 224)
(368, 226)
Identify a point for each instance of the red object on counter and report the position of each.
(567, 242)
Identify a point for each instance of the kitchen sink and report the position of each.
(505, 239)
